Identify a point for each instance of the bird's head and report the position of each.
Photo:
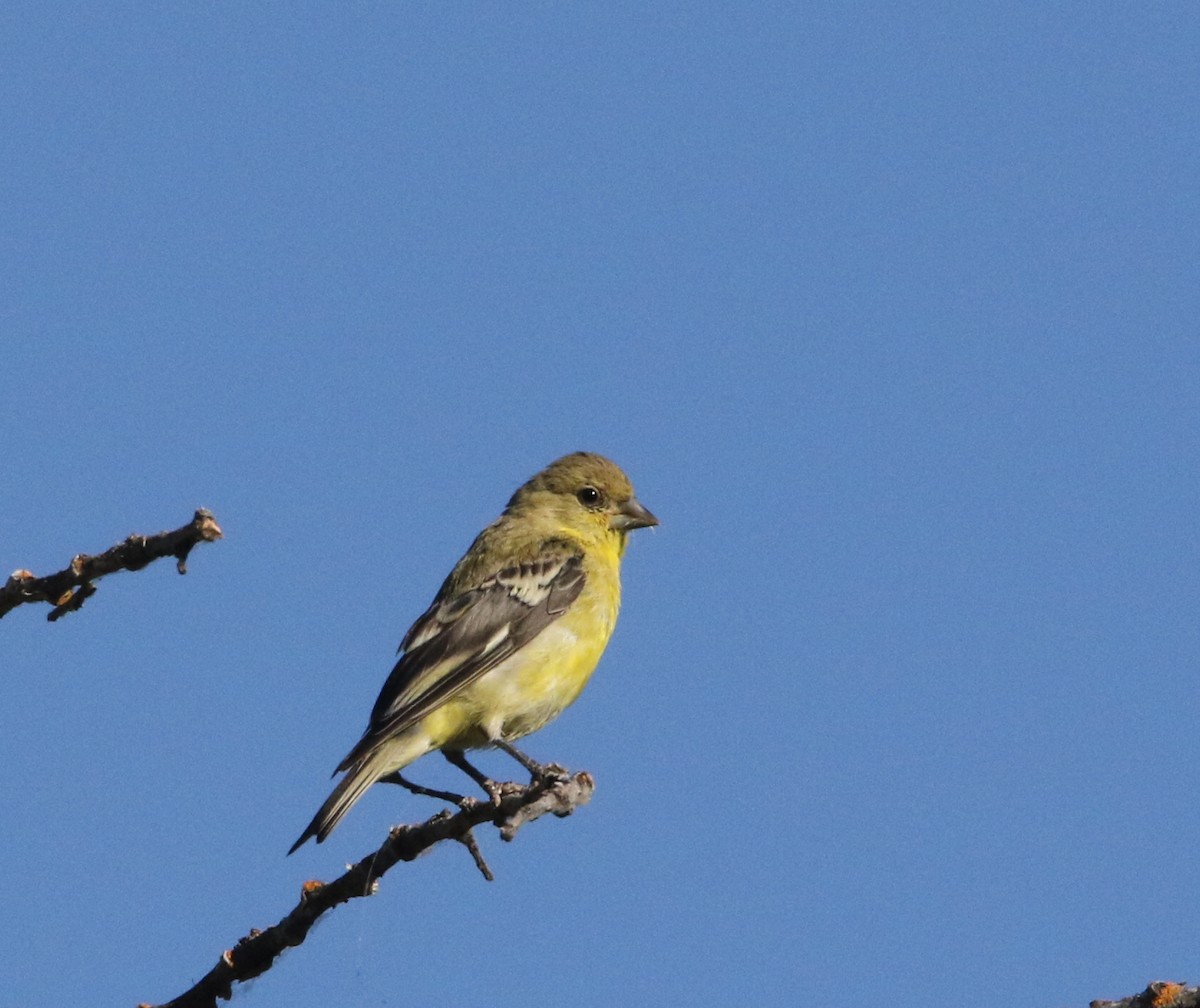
(585, 491)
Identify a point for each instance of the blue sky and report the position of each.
(889, 311)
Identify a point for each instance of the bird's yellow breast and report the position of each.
(532, 687)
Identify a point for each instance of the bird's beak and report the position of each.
(631, 515)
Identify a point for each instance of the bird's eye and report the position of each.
(589, 496)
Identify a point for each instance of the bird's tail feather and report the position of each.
(359, 776)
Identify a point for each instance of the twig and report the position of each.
(258, 951)
(468, 840)
(69, 588)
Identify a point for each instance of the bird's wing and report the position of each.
(465, 635)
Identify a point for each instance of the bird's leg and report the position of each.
(537, 771)
(447, 796)
(458, 758)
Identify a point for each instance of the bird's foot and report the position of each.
(494, 789)
(462, 801)
(539, 773)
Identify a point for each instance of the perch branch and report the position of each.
(68, 589)
(258, 951)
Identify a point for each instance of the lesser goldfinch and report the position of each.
(513, 635)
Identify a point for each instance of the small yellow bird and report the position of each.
(511, 638)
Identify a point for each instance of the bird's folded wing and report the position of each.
(466, 635)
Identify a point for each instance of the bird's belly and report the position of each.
(526, 691)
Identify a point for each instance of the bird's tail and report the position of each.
(360, 775)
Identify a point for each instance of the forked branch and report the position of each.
(258, 951)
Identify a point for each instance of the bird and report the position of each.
(511, 637)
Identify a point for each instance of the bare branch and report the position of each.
(1160, 994)
(258, 951)
(68, 589)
